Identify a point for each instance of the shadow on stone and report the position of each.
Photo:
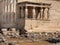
(22, 32)
(53, 40)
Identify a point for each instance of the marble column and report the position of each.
(46, 16)
(3, 12)
(34, 13)
(41, 13)
(26, 12)
(15, 1)
(11, 10)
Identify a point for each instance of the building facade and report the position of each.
(33, 16)
(32, 13)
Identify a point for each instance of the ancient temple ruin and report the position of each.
(32, 12)
(23, 15)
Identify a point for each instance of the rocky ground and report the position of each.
(29, 39)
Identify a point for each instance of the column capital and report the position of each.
(46, 8)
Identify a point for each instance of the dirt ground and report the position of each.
(27, 42)
(33, 43)
(30, 43)
(22, 41)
